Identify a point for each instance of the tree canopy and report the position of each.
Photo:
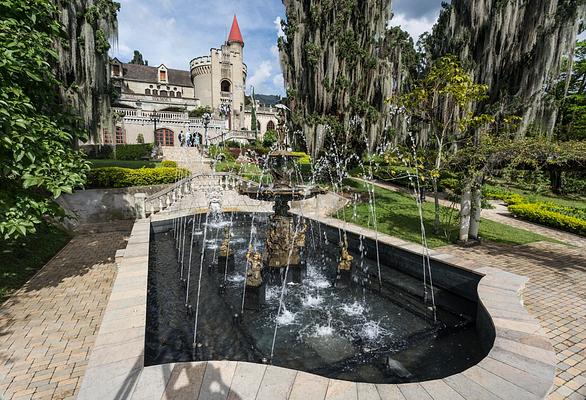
(37, 160)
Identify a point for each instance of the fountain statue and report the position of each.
(255, 290)
(285, 239)
(344, 276)
(225, 250)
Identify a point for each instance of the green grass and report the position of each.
(566, 201)
(124, 164)
(23, 258)
(397, 215)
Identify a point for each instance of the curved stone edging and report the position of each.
(520, 365)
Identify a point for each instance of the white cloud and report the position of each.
(261, 75)
(279, 27)
(414, 26)
(278, 81)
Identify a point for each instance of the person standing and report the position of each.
(188, 139)
(181, 139)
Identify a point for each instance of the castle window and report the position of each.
(151, 86)
(163, 93)
(179, 94)
(116, 70)
(107, 137)
(155, 92)
(171, 94)
(120, 135)
(270, 126)
(162, 75)
(147, 92)
(225, 86)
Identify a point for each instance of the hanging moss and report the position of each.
(351, 55)
(102, 45)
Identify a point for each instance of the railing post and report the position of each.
(161, 208)
(140, 205)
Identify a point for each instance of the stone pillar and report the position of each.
(140, 205)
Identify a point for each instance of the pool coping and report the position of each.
(520, 365)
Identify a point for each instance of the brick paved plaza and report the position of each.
(555, 294)
(48, 328)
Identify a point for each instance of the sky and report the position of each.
(172, 32)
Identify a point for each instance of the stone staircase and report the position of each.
(188, 157)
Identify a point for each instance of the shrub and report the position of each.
(538, 212)
(133, 151)
(270, 138)
(303, 158)
(116, 177)
(168, 164)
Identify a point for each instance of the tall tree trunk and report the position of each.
(465, 211)
(555, 181)
(436, 221)
(476, 209)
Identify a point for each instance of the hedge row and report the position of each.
(116, 177)
(133, 151)
(539, 213)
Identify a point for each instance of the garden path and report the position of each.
(48, 327)
(555, 294)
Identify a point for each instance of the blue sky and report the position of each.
(172, 32)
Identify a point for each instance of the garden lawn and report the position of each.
(124, 164)
(23, 258)
(398, 215)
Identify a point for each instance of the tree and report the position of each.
(439, 106)
(137, 59)
(37, 161)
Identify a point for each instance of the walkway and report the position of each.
(555, 294)
(188, 157)
(48, 327)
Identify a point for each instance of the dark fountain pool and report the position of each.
(362, 331)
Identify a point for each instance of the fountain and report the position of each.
(285, 241)
(344, 307)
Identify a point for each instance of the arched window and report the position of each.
(171, 94)
(120, 135)
(155, 92)
(270, 126)
(258, 126)
(164, 137)
(225, 86)
(147, 92)
(163, 93)
(179, 95)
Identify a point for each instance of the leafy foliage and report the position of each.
(133, 151)
(37, 162)
(550, 216)
(116, 177)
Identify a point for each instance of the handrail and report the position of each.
(177, 184)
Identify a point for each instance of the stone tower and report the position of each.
(220, 78)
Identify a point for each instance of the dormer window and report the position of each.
(163, 78)
(116, 70)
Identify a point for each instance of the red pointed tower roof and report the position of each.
(235, 35)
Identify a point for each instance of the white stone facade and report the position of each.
(155, 101)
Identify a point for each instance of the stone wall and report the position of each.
(101, 205)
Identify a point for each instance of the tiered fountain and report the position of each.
(285, 239)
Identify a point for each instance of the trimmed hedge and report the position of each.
(133, 151)
(539, 213)
(168, 164)
(116, 177)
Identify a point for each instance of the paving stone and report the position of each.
(276, 383)
(152, 382)
(185, 381)
(341, 390)
(53, 317)
(414, 391)
(367, 391)
(308, 386)
(390, 392)
(217, 380)
(246, 381)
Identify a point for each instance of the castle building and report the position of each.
(158, 103)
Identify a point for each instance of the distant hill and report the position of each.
(265, 99)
